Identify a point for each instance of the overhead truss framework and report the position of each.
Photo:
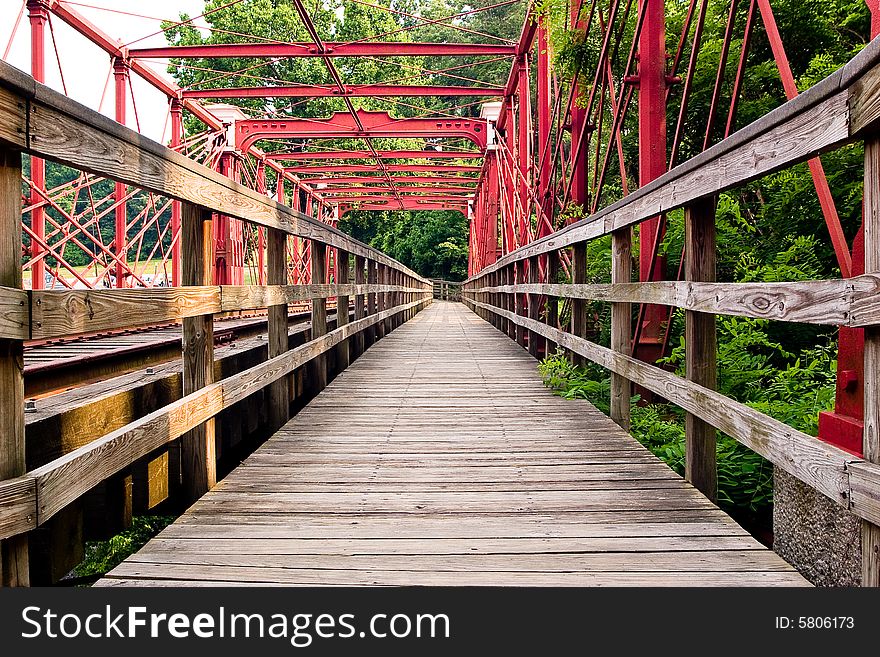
(519, 159)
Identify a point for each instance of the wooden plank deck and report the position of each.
(439, 458)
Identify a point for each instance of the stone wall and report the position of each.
(815, 535)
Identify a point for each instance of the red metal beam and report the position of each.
(393, 168)
(366, 155)
(652, 164)
(352, 90)
(345, 180)
(38, 16)
(393, 202)
(114, 48)
(407, 205)
(362, 123)
(445, 192)
(362, 49)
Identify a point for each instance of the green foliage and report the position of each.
(753, 366)
(432, 243)
(103, 556)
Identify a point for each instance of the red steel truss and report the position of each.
(361, 124)
(543, 155)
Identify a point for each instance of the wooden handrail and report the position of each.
(32, 499)
(843, 108)
(60, 313)
(839, 302)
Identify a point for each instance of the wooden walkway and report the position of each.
(438, 458)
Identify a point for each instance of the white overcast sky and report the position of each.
(85, 66)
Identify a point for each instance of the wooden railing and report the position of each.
(841, 109)
(41, 122)
(446, 290)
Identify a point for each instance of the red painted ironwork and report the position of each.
(652, 162)
(351, 90)
(366, 155)
(363, 123)
(38, 15)
(333, 49)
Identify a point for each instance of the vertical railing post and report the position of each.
(319, 315)
(552, 303)
(276, 274)
(507, 325)
(14, 570)
(372, 332)
(198, 464)
(381, 298)
(700, 344)
(621, 324)
(871, 435)
(360, 311)
(535, 339)
(518, 298)
(578, 306)
(343, 357)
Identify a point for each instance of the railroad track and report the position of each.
(54, 365)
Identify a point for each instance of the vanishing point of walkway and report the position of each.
(438, 458)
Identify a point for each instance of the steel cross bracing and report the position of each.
(557, 147)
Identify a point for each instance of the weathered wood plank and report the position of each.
(871, 376)
(814, 462)
(343, 356)
(621, 325)
(66, 312)
(840, 302)
(700, 346)
(391, 476)
(57, 313)
(14, 567)
(318, 367)
(15, 316)
(64, 479)
(198, 448)
(276, 274)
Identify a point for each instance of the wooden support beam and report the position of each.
(700, 345)
(551, 310)
(621, 324)
(276, 274)
(14, 570)
(381, 303)
(519, 269)
(537, 343)
(343, 357)
(318, 368)
(510, 299)
(372, 333)
(198, 462)
(579, 306)
(871, 435)
(360, 300)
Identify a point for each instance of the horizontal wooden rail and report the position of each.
(840, 302)
(820, 465)
(30, 500)
(838, 110)
(57, 313)
(45, 123)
